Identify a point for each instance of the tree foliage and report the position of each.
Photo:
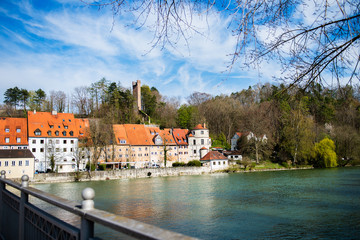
(324, 155)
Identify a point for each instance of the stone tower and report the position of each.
(137, 93)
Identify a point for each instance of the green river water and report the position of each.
(301, 204)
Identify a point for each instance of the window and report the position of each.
(49, 150)
(64, 141)
(194, 151)
(57, 149)
(50, 141)
(42, 141)
(37, 132)
(18, 130)
(51, 126)
(218, 163)
(20, 163)
(202, 132)
(71, 133)
(49, 133)
(7, 130)
(57, 133)
(73, 159)
(122, 141)
(224, 162)
(66, 127)
(12, 163)
(194, 142)
(139, 149)
(33, 150)
(26, 162)
(65, 160)
(71, 149)
(214, 163)
(64, 133)
(64, 149)
(7, 140)
(34, 141)
(6, 163)
(202, 141)
(57, 141)
(72, 141)
(0, 164)
(41, 149)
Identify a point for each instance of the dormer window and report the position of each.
(64, 133)
(122, 141)
(71, 133)
(7, 130)
(49, 133)
(66, 127)
(37, 132)
(18, 130)
(57, 133)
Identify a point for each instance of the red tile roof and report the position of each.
(199, 126)
(11, 125)
(166, 135)
(180, 136)
(82, 125)
(139, 134)
(120, 134)
(213, 155)
(58, 125)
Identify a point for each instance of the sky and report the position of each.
(61, 45)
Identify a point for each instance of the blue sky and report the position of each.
(60, 45)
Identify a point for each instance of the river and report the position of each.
(301, 204)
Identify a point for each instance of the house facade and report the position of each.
(215, 160)
(53, 139)
(197, 139)
(17, 163)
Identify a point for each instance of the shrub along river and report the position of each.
(302, 204)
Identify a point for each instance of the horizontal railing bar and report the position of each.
(121, 224)
(132, 227)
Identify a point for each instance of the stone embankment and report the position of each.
(119, 174)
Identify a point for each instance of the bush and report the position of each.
(178, 164)
(194, 163)
(93, 167)
(102, 167)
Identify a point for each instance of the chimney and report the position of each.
(34, 111)
(204, 125)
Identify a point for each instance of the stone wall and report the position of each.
(119, 174)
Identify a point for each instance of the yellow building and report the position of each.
(17, 163)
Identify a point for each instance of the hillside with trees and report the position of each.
(316, 125)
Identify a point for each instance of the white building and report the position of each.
(215, 160)
(197, 139)
(54, 137)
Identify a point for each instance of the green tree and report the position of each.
(324, 155)
(187, 116)
(149, 101)
(12, 96)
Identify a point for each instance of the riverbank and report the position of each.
(138, 173)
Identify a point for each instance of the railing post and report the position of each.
(87, 226)
(2, 188)
(24, 199)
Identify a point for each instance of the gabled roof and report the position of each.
(50, 123)
(180, 136)
(138, 134)
(120, 134)
(12, 124)
(213, 155)
(15, 153)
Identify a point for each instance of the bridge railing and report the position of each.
(21, 219)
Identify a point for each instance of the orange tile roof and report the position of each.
(180, 136)
(11, 125)
(166, 134)
(213, 155)
(47, 123)
(120, 134)
(83, 127)
(198, 127)
(138, 134)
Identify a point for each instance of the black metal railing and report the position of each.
(21, 219)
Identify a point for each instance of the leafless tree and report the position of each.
(314, 40)
(81, 100)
